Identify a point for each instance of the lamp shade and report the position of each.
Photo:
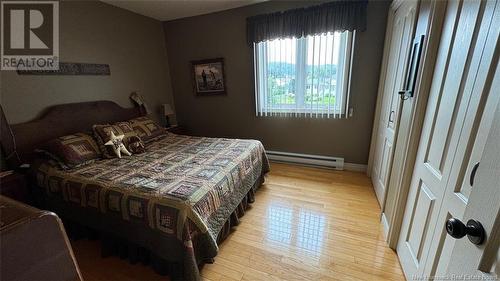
(167, 109)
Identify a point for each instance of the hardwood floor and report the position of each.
(306, 224)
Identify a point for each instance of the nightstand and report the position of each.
(178, 130)
(15, 186)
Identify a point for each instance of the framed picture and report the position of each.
(209, 77)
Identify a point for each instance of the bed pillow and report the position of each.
(72, 151)
(147, 129)
(102, 134)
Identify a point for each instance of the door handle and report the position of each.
(473, 174)
(404, 95)
(474, 230)
(391, 116)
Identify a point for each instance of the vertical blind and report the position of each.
(307, 76)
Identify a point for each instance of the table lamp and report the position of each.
(167, 111)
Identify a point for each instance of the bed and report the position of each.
(177, 200)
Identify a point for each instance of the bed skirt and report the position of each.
(128, 242)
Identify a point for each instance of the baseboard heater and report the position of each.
(336, 163)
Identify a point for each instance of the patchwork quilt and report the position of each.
(180, 185)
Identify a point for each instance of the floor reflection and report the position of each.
(310, 230)
(279, 224)
(298, 227)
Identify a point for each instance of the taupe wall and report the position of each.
(223, 35)
(94, 32)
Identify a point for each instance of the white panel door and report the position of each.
(452, 137)
(478, 102)
(402, 33)
(482, 262)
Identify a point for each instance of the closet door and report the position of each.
(403, 23)
(457, 120)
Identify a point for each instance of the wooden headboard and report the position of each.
(20, 140)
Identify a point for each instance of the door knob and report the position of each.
(474, 230)
(391, 116)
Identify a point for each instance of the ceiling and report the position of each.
(165, 10)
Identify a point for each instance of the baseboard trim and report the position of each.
(355, 167)
(385, 225)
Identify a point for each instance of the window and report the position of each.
(308, 76)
